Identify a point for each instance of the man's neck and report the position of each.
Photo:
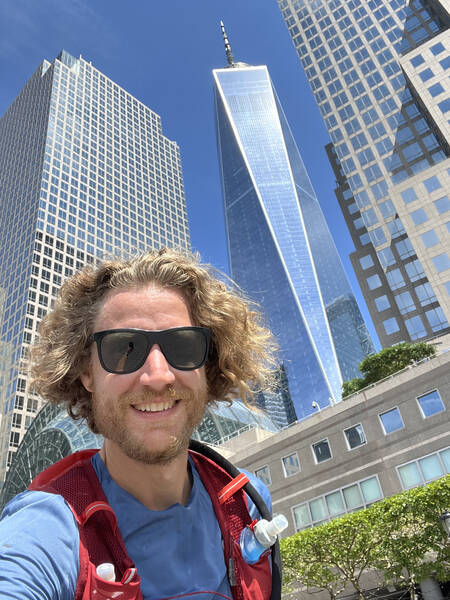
(157, 486)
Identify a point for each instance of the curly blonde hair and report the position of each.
(242, 357)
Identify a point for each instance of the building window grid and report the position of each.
(340, 492)
(443, 458)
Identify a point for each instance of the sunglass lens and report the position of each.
(185, 348)
(123, 351)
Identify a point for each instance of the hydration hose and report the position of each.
(249, 489)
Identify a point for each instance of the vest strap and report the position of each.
(231, 488)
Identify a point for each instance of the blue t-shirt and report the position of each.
(177, 551)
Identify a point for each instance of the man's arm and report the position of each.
(39, 545)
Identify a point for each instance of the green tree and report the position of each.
(400, 536)
(332, 555)
(387, 362)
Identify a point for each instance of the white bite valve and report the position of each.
(266, 532)
(106, 572)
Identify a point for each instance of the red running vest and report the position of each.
(75, 479)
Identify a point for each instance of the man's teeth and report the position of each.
(155, 406)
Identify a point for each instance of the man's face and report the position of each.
(150, 414)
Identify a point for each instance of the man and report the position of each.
(138, 348)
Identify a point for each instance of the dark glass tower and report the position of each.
(280, 249)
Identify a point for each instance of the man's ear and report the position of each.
(87, 380)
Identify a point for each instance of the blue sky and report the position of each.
(162, 52)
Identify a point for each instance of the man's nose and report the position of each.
(156, 372)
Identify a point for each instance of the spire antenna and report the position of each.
(228, 52)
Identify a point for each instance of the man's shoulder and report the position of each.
(38, 507)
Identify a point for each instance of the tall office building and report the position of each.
(280, 249)
(379, 72)
(85, 170)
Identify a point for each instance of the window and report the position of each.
(264, 474)
(404, 302)
(430, 404)
(321, 451)
(429, 238)
(425, 294)
(366, 262)
(441, 262)
(373, 282)
(418, 216)
(382, 303)
(391, 421)
(435, 89)
(386, 257)
(291, 464)
(319, 510)
(414, 270)
(408, 195)
(436, 319)
(415, 327)
(426, 74)
(355, 436)
(423, 470)
(391, 326)
(417, 60)
(404, 248)
(442, 205)
(437, 48)
(431, 184)
(395, 279)
(377, 236)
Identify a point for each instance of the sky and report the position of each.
(163, 52)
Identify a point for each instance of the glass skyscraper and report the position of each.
(85, 171)
(379, 72)
(280, 249)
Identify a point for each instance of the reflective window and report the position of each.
(435, 89)
(417, 60)
(441, 262)
(437, 48)
(431, 184)
(291, 464)
(423, 470)
(366, 261)
(391, 421)
(405, 302)
(442, 205)
(386, 257)
(426, 74)
(264, 474)
(353, 497)
(321, 451)
(436, 319)
(373, 282)
(391, 326)
(430, 403)
(382, 303)
(404, 248)
(355, 436)
(408, 195)
(418, 216)
(425, 294)
(377, 236)
(444, 106)
(415, 327)
(414, 270)
(395, 279)
(429, 238)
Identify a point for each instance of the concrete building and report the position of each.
(280, 249)
(391, 436)
(85, 171)
(379, 73)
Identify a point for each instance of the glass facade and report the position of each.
(85, 171)
(280, 249)
(378, 71)
(53, 435)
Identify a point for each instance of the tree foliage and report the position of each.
(401, 537)
(387, 362)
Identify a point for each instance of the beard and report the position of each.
(110, 423)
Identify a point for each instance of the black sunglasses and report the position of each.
(123, 351)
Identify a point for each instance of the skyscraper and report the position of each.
(280, 249)
(85, 171)
(379, 73)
